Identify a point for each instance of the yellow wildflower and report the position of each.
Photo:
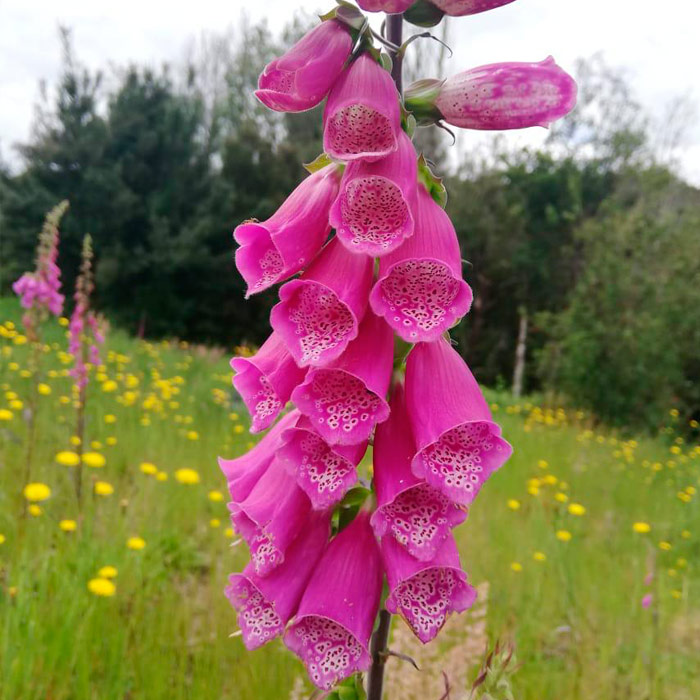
(107, 572)
(102, 587)
(109, 386)
(75, 440)
(136, 543)
(666, 546)
(36, 492)
(110, 418)
(576, 509)
(44, 389)
(238, 429)
(543, 464)
(103, 488)
(94, 459)
(676, 594)
(148, 468)
(111, 440)
(539, 556)
(187, 476)
(2, 538)
(16, 405)
(35, 510)
(641, 527)
(685, 534)
(68, 525)
(192, 435)
(216, 496)
(162, 476)
(215, 522)
(63, 321)
(5, 414)
(516, 566)
(563, 535)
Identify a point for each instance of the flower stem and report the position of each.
(394, 34)
(378, 648)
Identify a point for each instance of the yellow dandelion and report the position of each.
(674, 413)
(676, 594)
(136, 543)
(63, 321)
(229, 532)
(16, 405)
(533, 490)
(666, 546)
(94, 460)
(516, 566)
(107, 572)
(64, 400)
(681, 563)
(103, 488)
(685, 534)
(238, 429)
(539, 556)
(187, 476)
(162, 476)
(111, 441)
(148, 468)
(102, 587)
(561, 497)
(110, 418)
(2, 538)
(68, 525)
(576, 509)
(513, 504)
(75, 440)
(12, 590)
(35, 510)
(109, 386)
(43, 389)
(5, 414)
(563, 535)
(215, 522)
(543, 464)
(36, 492)
(96, 445)
(641, 527)
(216, 496)
(233, 416)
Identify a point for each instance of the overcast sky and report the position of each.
(657, 43)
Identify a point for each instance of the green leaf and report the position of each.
(386, 61)
(355, 497)
(432, 182)
(318, 163)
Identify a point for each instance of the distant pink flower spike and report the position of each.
(324, 472)
(331, 630)
(388, 6)
(362, 119)
(244, 472)
(302, 77)
(425, 593)
(345, 399)
(459, 445)
(319, 313)
(461, 8)
(273, 250)
(408, 509)
(647, 600)
(420, 291)
(265, 605)
(372, 213)
(270, 517)
(507, 96)
(266, 380)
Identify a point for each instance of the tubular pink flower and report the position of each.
(319, 313)
(244, 472)
(273, 250)
(324, 472)
(388, 6)
(346, 399)
(425, 593)
(362, 118)
(266, 380)
(331, 630)
(372, 213)
(461, 8)
(459, 445)
(265, 605)
(408, 509)
(420, 291)
(270, 517)
(302, 77)
(507, 96)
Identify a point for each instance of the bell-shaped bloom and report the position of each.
(243, 473)
(265, 381)
(391, 7)
(271, 251)
(265, 604)
(270, 517)
(459, 445)
(408, 509)
(461, 8)
(345, 399)
(324, 472)
(507, 96)
(420, 291)
(319, 313)
(301, 78)
(331, 630)
(424, 593)
(362, 119)
(372, 213)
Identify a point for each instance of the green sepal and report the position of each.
(318, 163)
(350, 689)
(348, 14)
(431, 182)
(386, 61)
(345, 512)
(423, 14)
(419, 99)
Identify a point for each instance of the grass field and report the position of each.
(566, 586)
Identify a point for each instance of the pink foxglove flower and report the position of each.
(243, 473)
(647, 600)
(408, 509)
(345, 399)
(388, 6)
(362, 119)
(507, 96)
(331, 630)
(319, 313)
(372, 213)
(270, 517)
(265, 604)
(424, 593)
(420, 291)
(324, 472)
(461, 8)
(273, 250)
(266, 380)
(301, 78)
(459, 445)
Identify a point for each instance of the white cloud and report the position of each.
(658, 48)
